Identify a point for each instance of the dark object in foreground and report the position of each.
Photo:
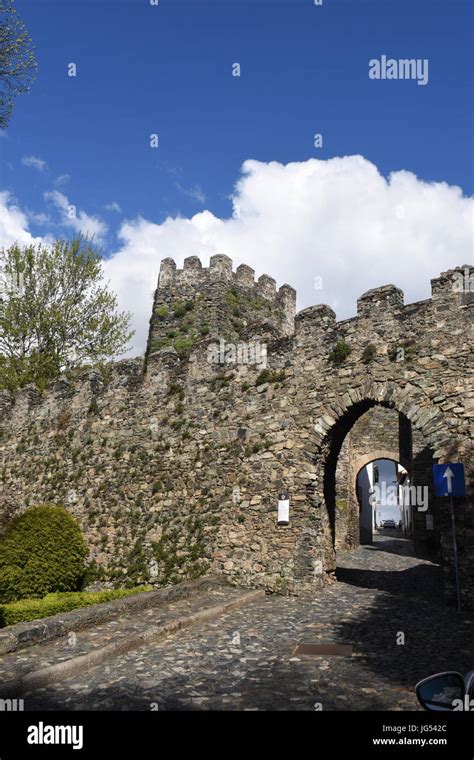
(447, 691)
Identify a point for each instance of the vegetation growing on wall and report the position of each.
(339, 353)
(402, 352)
(369, 353)
(270, 376)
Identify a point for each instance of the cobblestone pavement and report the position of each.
(245, 659)
(60, 649)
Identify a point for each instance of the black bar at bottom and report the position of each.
(166, 734)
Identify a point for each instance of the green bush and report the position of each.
(369, 353)
(162, 312)
(181, 345)
(339, 353)
(52, 604)
(403, 352)
(179, 310)
(41, 551)
(270, 376)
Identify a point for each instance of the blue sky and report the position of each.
(167, 69)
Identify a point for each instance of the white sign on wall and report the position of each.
(283, 509)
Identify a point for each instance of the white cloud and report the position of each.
(339, 220)
(62, 180)
(33, 162)
(192, 192)
(113, 206)
(79, 221)
(39, 218)
(13, 223)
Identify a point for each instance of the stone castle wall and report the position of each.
(173, 463)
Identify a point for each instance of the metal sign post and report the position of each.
(449, 481)
(455, 546)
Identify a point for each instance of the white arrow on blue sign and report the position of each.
(449, 479)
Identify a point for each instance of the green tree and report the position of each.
(17, 59)
(55, 312)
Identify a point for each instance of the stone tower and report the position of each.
(196, 303)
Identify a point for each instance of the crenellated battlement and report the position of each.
(458, 281)
(386, 298)
(451, 290)
(455, 286)
(235, 305)
(230, 304)
(216, 300)
(220, 270)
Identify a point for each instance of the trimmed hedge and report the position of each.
(41, 551)
(35, 609)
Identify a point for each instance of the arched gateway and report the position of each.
(237, 400)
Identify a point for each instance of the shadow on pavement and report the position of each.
(422, 580)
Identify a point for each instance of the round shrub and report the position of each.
(41, 551)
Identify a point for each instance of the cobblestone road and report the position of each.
(245, 659)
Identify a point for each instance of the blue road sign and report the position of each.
(449, 479)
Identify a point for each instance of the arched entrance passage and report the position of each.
(439, 436)
(418, 421)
